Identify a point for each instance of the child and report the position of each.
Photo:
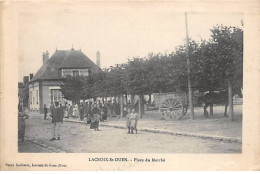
(132, 119)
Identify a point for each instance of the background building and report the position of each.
(44, 87)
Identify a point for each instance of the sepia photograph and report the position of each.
(130, 85)
(130, 82)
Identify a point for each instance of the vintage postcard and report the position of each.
(130, 85)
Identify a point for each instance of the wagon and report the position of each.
(171, 105)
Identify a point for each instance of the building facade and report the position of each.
(44, 87)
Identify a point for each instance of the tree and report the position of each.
(74, 88)
(99, 84)
(229, 41)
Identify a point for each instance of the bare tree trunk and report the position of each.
(132, 99)
(105, 101)
(122, 105)
(150, 99)
(211, 105)
(230, 100)
(125, 98)
(140, 106)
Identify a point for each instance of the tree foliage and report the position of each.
(212, 63)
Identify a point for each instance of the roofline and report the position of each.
(74, 68)
(36, 80)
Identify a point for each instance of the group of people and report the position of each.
(94, 113)
(98, 112)
(84, 110)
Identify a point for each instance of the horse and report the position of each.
(217, 97)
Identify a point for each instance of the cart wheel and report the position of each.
(171, 108)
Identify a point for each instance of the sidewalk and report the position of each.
(215, 127)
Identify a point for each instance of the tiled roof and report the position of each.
(77, 59)
(64, 59)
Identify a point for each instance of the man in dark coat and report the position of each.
(81, 110)
(57, 119)
(45, 112)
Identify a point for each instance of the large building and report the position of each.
(44, 87)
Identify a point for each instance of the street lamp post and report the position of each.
(188, 67)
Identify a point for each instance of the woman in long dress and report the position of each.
(77, 110)
(74, 112)
(95, 118)
(22, 116)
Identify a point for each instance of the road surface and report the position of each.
(78, 138)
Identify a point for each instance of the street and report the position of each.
(78, 138)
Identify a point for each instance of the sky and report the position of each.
(118, 33)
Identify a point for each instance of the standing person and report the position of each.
(86, 110)
(132, 119)
(66, 111)
(57, 119)
(117, 109)
(45, 111)
(95, 118)
(70, 109)
(104, 112)
(114, 108)
(77, 110)
(99, 105)
(89, 109)
(81, 110)
(74, 112)
(109, 109)
(22, 116)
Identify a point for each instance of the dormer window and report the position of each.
(75, 72)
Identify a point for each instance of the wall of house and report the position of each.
(46, 96)
(34, 103)
(47, 87)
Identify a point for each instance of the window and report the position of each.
(66, 72)
(84, 72)
(75, 72)
(56, 96)
(37, 98)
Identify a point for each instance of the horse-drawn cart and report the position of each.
(171, 105)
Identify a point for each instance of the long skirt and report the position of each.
(21, 128)
(94, 125)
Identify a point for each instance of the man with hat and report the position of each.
(57, 119)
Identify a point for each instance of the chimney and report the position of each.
(25, 79)
(47, 55)
(98, 58)
(43, 58)
(31, 76)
